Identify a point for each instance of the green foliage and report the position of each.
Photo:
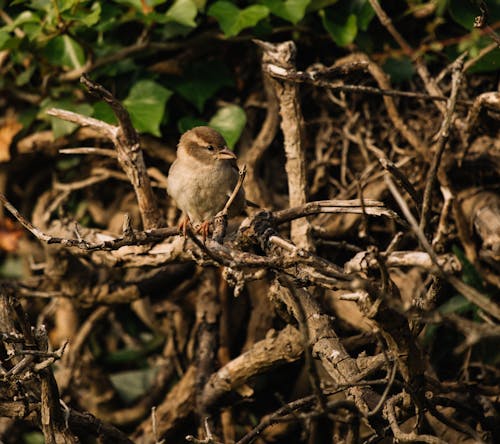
(183, 12)
(146, 105)
(202, 80)
(399, 69)
(464, 12)
(343, 31)
(229, 121)
(33, 438)
(65, 52)
(132, 384)
(49, 41)
(62, 127)
(290, 10)
(12, 267)
(233, 20)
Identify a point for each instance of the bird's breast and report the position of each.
(200, 190)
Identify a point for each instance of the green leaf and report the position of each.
(364, 13)
(88, 17)
(229, 121)
(12, 267)
(489, 63)
(290, 10)
(342, 32)
(137, 4)
(103, 111)
(146, 105)
(456, 304)
(7, 41)
(64, 51)
(183, 12)
(469, 273)
(61, 127)
(463, 13)
(316, 5)
(400, 69)
(202, 80)
(23, 18)
(133, 384)
(233, 20)
(33, 438)
(187, 122)
(23, 78)
(133, 355)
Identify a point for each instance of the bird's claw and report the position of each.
(183, 225)
(203, 230)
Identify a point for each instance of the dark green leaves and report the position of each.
(65, 51)
(62, 127)
(342, 31)
(400, 69)
(229, 121)
(345, 19)
(290, 10)
(202, 80)
(183, 12)
(133, 384)
(146, 104)
(233, 20)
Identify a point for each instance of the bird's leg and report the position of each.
(203, 230)
(184, 224)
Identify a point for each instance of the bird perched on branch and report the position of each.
(203, 177)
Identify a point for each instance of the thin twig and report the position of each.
(469, 292)
(443, 138)
(89, 150)
(390, 411)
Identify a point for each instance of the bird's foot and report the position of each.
(183, 225)
(203, 230)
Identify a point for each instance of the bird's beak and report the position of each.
(225, 154)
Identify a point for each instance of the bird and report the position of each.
(203, 177)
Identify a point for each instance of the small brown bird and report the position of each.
(203, 177)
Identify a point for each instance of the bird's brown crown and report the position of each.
(203, 136)
(202, 143)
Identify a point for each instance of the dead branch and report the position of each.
(282, 56)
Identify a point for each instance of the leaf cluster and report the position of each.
(47, 44)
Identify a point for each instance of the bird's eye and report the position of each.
(210, 148)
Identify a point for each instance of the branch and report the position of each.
(292, 125)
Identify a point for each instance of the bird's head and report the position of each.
(204, 144)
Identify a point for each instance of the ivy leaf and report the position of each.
(139, 5)
(33, 438)
(188, 122)
(88, 17)
(342, 32)
(146, 105)
(229, 121)
(183, 12)
(104, 112)
(133, 384)
(400, 69)
(464, 13)
(64, 51)
(8, 42)
(290, 10)
(202, 80)
(364, 13)
(233, 20)
(490, 62)
(316, 5)
(62, 127)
